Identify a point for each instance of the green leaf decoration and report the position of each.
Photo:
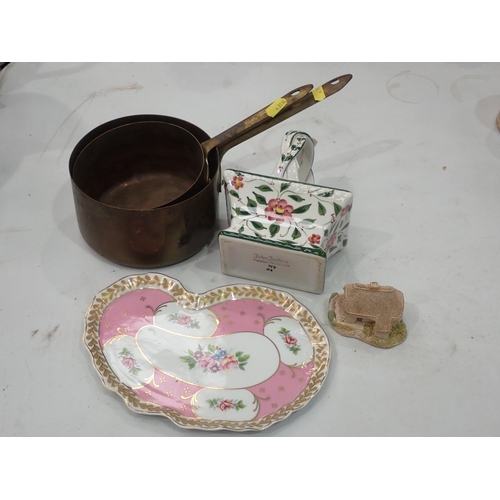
(264, 188)
(328, 194)
(242, 359)
(296, 234)
(251, 203)
(337, 207)
(273, 229)
(311, 221)
(241, 211)
(241, 229)
(260, 199)
(189, 360)
(257, 225)
(345, 226)
(321, 209)
(234, 193)
(344, 243)
(296, 197)
(212, 348)
(284, 185)
(301, 209)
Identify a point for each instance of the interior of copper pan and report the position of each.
(140, 165)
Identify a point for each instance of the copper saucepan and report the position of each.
(146, 165)
(135, 212)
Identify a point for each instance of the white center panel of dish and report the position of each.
(224, 362)
(174, 318)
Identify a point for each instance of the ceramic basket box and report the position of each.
(282, 232)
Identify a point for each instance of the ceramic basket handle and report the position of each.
(297, 156)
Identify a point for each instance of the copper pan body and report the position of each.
(140, 237)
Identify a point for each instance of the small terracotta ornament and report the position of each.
(371, 313)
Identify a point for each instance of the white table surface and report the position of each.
(416, 143)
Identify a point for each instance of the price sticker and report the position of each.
(276, 107)
(319, 94)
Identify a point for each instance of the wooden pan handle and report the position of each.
(258, 122)
(320, 93)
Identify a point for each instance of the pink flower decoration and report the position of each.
(226, 404)
(237, 182)
(129, 362)
(289, 340)
(207, 362)
(228, 362)
(184, 320)
(278, 210)
(314, 239)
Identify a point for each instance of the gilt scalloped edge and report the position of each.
(319, 341)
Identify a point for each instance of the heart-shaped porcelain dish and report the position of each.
(237, 357)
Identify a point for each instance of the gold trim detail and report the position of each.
(319, 341)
